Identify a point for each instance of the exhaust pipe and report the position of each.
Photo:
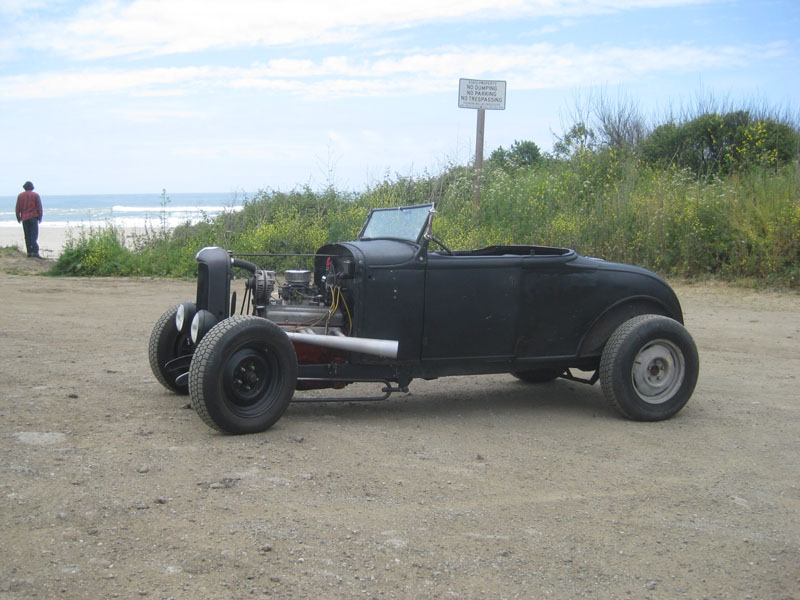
(385, 348)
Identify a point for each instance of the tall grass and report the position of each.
(602, 203)
(602, 193)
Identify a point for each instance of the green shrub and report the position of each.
(713, 144)
(521, 154)
(100, 251)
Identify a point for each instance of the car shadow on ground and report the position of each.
(467, 397)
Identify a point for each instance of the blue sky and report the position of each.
(239, 95)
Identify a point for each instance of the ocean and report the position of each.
(125, 210)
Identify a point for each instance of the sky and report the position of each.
(138, 96)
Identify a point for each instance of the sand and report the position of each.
(51, 239)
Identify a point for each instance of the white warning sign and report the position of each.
(482, 94)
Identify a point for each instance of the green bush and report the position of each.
(521, 154)
(100, 251)
(713, 144)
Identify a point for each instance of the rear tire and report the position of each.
(649, 368)
(243, 375)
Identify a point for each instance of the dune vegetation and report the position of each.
(713, 193)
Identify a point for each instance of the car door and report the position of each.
(471, 307)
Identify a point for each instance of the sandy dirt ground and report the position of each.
(467, 487)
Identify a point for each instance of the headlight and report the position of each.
(203, 321)
(184, 315)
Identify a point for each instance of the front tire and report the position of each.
(168, 344)
(649, 368)
(243, 375)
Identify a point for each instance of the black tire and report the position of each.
(649, 368)
(243, 375)
(167, 344)
(538, 375)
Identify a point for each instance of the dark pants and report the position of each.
(31, 229)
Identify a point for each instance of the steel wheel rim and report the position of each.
(658, 371)
(250, 377)
(183, 345)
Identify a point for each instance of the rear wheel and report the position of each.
(243, 375)
(170, 352)
(649, 368)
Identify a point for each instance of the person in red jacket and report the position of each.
(29, 213)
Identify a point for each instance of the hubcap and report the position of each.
(658, 371)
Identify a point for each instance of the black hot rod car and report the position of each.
(396, 304)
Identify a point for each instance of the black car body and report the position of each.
(396, 305)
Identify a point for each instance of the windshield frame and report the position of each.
(392, 227)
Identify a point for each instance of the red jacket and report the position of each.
(29, 206)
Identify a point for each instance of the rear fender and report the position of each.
(595, 339)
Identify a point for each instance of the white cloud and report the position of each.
(155, 115)
(16, 8)
(69, 83)
(535, 66)
(109, 28)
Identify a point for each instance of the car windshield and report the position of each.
(405, 223)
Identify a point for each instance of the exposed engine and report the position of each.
(314, 309)
(297, 288)
(300, 305)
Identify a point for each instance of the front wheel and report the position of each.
(649, 368)
(243, 375)
(169, 352)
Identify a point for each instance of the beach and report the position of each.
(134, 214)
(52, 239)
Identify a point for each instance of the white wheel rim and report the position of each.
(658, 371)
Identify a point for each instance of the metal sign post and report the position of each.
(482, 95)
